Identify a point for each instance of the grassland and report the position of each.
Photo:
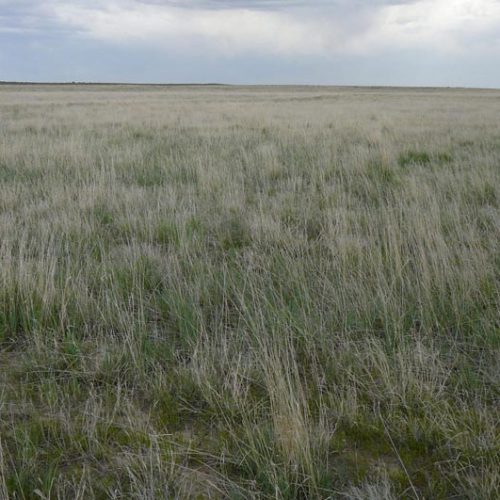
(222, 292)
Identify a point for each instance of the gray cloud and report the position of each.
(33, 14)
(274, 4)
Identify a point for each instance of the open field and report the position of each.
(224, 292)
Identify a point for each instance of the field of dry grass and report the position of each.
(228, 292)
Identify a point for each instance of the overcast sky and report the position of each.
(365, 42)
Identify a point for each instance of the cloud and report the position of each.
(269, 27)
(273, 4)
(443, 25)
(194, 25)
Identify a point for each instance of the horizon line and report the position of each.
(220, 84)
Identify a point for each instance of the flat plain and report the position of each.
(237, 292)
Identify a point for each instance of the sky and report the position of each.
(452, 43)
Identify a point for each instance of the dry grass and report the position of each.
(249, 293)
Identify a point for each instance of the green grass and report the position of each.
(234, 293)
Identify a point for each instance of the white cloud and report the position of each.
(271, 27)
(441, 25)
(228, 30)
